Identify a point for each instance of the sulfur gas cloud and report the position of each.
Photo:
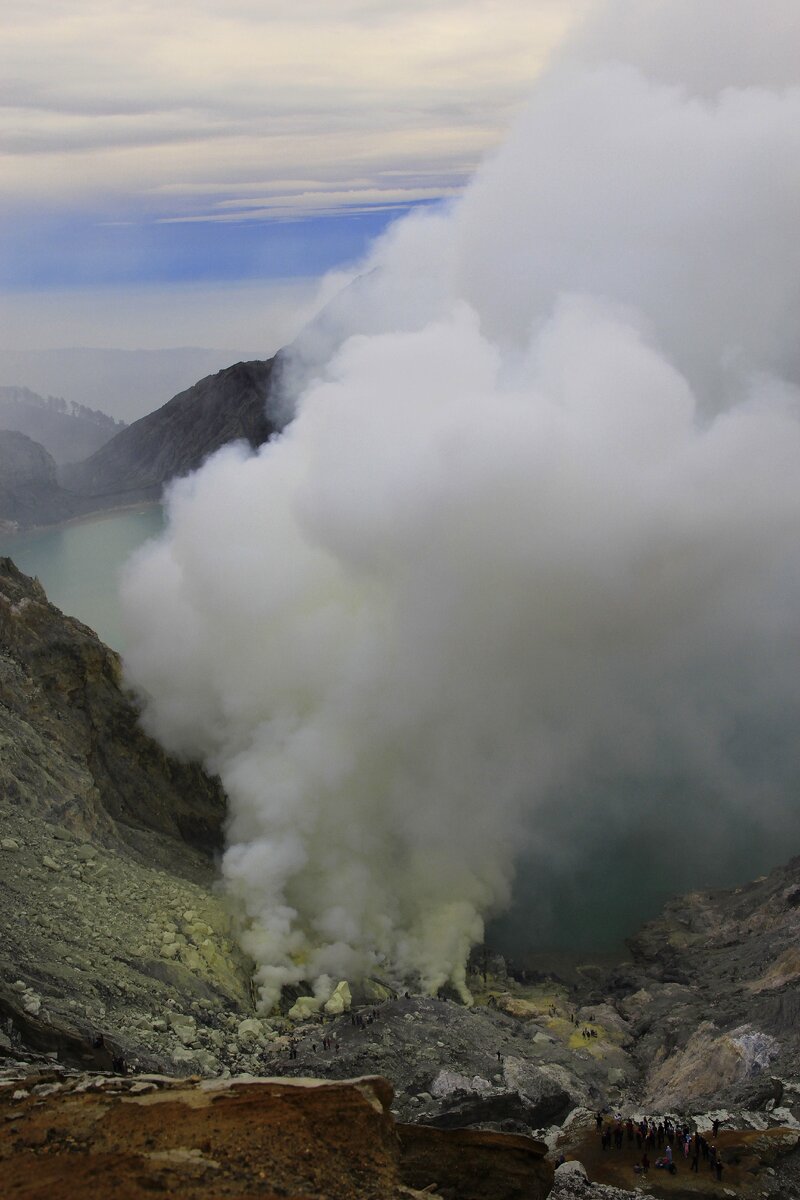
(517, 590)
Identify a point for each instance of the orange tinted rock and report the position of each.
(237, 1139)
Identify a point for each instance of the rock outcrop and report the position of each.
(712, 995)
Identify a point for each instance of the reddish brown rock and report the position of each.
(304, 1139)
(472, 1164)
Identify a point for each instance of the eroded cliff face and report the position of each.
(75, 755)
(713, 996)
(107, 914)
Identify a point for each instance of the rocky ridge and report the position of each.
(68, 432)
(711, 993)
(234, 404)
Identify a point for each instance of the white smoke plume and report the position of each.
(534, 531)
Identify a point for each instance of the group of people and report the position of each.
(359, 1020)
(664, 1137)
(328, 1043)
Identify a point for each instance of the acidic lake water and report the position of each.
(78, 564)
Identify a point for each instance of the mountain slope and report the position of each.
(29, 493)
(176, 438)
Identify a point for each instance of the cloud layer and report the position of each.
(530, 547)
(210, 109)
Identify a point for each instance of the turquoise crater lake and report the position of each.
(79, 564)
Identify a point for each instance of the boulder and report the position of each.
(373, 992)
(303, 1008)
(573, 1172)
(340, 1000)
(542, 1087)
(571, 1182)
(250, 1031)
(448, 1083)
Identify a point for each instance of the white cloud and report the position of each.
(128, 99)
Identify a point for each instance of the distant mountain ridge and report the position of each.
(30, 494)
(246, 401)
(67, 430)
(28, 487)
(123, 383)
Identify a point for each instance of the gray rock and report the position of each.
(571, 1172)
(570, 1182)
(250, 1032)
(548, 1097)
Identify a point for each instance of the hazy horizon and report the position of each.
(124, 384)
(127, 351)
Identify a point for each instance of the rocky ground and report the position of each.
(68, 1133)
(118, 955)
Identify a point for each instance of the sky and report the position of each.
(168, 173)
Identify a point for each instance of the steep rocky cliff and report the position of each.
(106, 910)
(713, 995)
